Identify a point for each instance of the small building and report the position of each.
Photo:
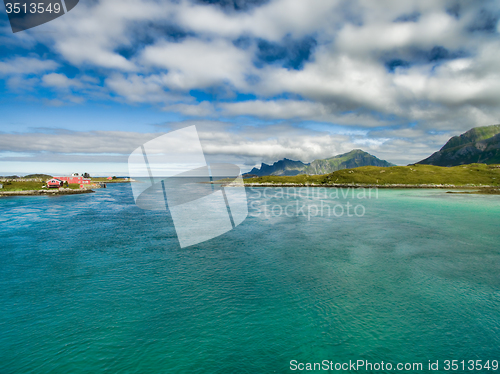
(75, 180)
(1, 186)
(109, 178)
(54, 183)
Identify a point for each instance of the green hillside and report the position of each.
(478, 145)
(353, 159)
(38, 176)
(474, 135)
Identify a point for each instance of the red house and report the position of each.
(54, 183)
(75, 180)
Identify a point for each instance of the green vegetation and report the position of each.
(465, 175)
(355, 158)
(21, 186)
(474, 135)
(39, 176)
(30, 186)
(478, 145)
(105, 180)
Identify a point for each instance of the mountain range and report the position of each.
(478, 145)
(286, 167)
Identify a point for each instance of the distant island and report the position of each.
(43, 184)
(286, 167)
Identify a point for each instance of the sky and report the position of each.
(260, 79)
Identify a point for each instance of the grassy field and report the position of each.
(464, 175)
(22, 185)
(105, 180)
(30, 186)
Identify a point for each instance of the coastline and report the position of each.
(45, 192)
(481, 191)
(361, 185)
(469, 189)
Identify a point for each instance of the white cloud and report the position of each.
(224, 142)
(199, 64)
(271, 21)
(141, 89)
(200, 110)
(90, 33)
(26, 65)
(299, 110)
(431, 30)
(60, 81)
(20, 84)
(276, 109)
(338, 80)
(219, 140)
(73, 142)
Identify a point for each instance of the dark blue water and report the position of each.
(91, 283)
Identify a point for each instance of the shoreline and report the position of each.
(45, 192)
(468, 189)
(359, 185)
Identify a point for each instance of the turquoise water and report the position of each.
(91, 284)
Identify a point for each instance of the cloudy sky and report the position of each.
(261, 79)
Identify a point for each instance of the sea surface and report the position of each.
(93, 284)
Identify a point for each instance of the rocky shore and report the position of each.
(60, 191)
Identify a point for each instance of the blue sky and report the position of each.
(262, 80)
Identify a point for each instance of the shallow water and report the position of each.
(91, 283)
